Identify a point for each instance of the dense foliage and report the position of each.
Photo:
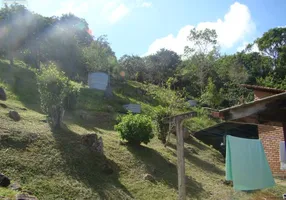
(53, 89)
(201, 73)
(161, 116)
(135, 128)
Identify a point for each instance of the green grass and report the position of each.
(55, 165)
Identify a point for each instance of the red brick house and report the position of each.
(268, 112)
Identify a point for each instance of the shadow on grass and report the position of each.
(22, 82)
(128, 90)
(163, 170)
(192, 141)
(92, 121)
(192, 158)
(89, 167)
(15, 144)
(16, 140)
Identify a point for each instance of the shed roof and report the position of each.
(262, 88)
(268, 109)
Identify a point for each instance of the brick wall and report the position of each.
(270, 137)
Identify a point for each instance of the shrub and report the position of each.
(135, 128)
(72, 96)
(53, 89)
(161, 114)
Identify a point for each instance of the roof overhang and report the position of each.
(266, 110)
(262, 88)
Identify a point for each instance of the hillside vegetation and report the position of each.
(44, 65)
(55, 164)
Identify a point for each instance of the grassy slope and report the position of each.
(56, 165)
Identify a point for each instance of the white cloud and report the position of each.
(244, 45)
(146, 4)
(171, 42)
(234, 27)
(118, 13)
(71, 7)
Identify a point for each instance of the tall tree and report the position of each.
(99, 56)
(162, 65)
(134, 67)
(202, 54)
(14, 21)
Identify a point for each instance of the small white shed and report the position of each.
(134, 108)
(192, 103)
(98, 80)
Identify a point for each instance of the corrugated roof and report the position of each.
(262, 88)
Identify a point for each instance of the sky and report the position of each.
(142, 27)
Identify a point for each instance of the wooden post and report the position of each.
(178, 119)
(180, 160)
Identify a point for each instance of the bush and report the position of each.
(72, 96)
(135, 128)
(53, 89)
(161, 114)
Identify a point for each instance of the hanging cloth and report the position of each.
(246, 164)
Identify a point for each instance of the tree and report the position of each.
(134, 67)
(14, 21)
(211, 95)
(99, 56)
(162, 65)
(53, 89)
(202, 54)
(272, 44)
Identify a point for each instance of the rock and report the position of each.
(25, 197)
(93, 142)
(14, 115)
(15, 186)
(149, 177)
(225, 182)
(3, 96)
(3, 105)
(122, 143)
(4, 180)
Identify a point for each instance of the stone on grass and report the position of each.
(25, 197)
(229, 183)
(93, 142)
(3, 105)
(15, 186)
(4, 180)
(149, 177)
(14, 115)
(3, 96)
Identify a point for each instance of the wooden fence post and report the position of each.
(180, 160)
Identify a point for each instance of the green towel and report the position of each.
(246, 164)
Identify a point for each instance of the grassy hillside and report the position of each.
(55, 165)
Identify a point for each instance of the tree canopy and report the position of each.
(203, 73)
